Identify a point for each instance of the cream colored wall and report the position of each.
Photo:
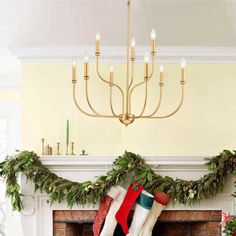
(204, 126)
(9, 95)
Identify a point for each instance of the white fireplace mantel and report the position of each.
(85, 160)
(38, 213)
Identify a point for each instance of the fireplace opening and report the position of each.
(170, 223)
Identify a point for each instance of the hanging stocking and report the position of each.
(142, 210)
(161, 201)
(103, 210)
(131, 196)
(110, 221)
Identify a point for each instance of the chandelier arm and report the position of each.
(158, 105)
(111, 102)
(145, 100)
(113, 84)
(172, 113)
(91, 107)
(78, 106)
(122, 95)
(101, 78)
(132, 75)
(131, 92)
(153, 67)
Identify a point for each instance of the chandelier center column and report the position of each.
(127, 72)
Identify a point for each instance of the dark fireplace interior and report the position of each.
(170, 223)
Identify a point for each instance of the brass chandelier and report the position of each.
(126, 115)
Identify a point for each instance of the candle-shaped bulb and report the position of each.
(146, 57)
(74, 71)
(86, 57)
(133, 42)
(153, 34)
(183, 63)
(111, 75)
(98, 36)
(86, 64)
(133, 49)
(111, 68)
(161, 68)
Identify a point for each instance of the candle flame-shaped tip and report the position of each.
(86, 57)
(161, 68)
(111, 68)
(146, 57)
(98, 36)
(183, 63)
(133, 42)
(153, 34)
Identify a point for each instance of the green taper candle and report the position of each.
(67, 131)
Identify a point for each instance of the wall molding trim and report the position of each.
(193, 55)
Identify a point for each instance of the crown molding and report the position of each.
(193, 55)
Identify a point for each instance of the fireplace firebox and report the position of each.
(170, 223)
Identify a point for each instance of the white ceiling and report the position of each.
(75, 22)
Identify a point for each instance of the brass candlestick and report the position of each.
(47, 150)
(72, 148)
(50, 151)
(83, 153)
(43, 146)
(58, 148)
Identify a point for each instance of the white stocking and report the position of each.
(110, 221)
(142, 210)
(151, 220)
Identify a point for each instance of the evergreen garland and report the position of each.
(59, 189)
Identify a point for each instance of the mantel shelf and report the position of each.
(108, 160)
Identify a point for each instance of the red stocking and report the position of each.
(101, 215)
(131, 196)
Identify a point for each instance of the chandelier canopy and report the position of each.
(126, 115)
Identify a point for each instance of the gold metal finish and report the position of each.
(43, 140)
(146, 72)
(182, 74)
(145, 100)
(172, 113)
(161, 78)
(153, 47)
(126, 115)
(159, 103)
(132, 58)
(72, 148)
(127, 60)
(48, 150)
(111, 103)
(97, 48)
(126, 119)
(86, 70)
(58, 149)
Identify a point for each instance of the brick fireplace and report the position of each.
(170, 223)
